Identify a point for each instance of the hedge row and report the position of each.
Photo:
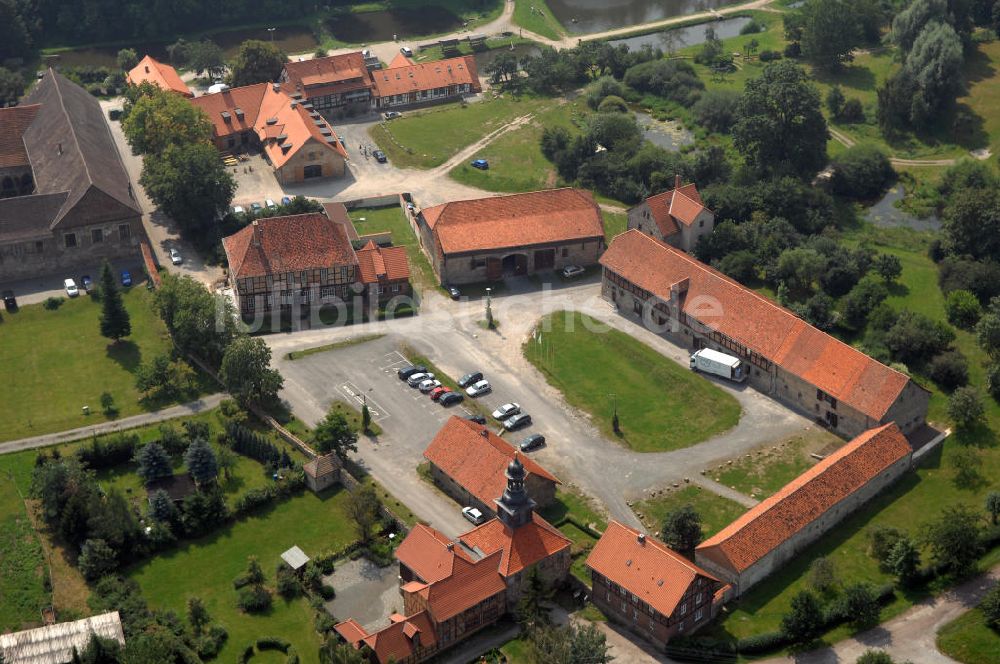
(107, 454)
(252, 445)
(293, 482)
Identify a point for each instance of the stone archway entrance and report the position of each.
(515, 265)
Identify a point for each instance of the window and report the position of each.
(637, 306)
(680, 627)
(698, 614)
(69, 239)
(97, 236)
(833, 402)
(124, 232)
(635, 615)
(608, 595)
(684, 609)
(565, 252)
(39, 245)
(395, 288)
(819, 395)
(701, 224)
(698, 598)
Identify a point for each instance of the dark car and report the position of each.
(450, 398)
(470, 378)
(126, 278)
(517, 421)
(286, 200)
(478, 419)
(86, 283)
(454, 292)
(407, 371)
(9, 301)
(532, 442)
(380, 156)
(481, 164)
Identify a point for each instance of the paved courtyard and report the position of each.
(366, 592)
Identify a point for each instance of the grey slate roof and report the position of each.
(53, 644)
(71, 152)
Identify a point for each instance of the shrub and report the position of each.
(102, 454)
(97, 559)
(963, 309)
(881, 540)
(852, 112)
(254, 599)
(761, 643)
(324, 622)
(287, 584)
(675, 80)
(716, 110)
(862, 172)
(247, 654)
(753, 27)
(273, 643)
(793, 50)
(211, 642)
(965, 408)
(612, 104)
(822, 574)
(871, 656)
(950, 370)
(252, 445)
(53, 303)
(990, 607)
(254, 499)
(769, 56)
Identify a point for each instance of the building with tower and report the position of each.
(453, 588)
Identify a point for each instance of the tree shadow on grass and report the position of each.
(126, 353)
(850, 77)
(979, 435)
(897, 289)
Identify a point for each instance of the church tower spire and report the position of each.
(515, 506)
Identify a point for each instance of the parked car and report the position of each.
(426, 386)
(238, 209)
(71, 288)
(516, 422)
(407, 51)
(571, 271)
(405, 372)
(479, 388)
(473, 515)
(175, 257)
(439, 392)
(86, 283)
(506, 410)
(481, 164)
(286, 200)
(418, 378)
(478, 419)
(392, 115)
(255, 208)
(126, 278)
(454, 293)
(532, 442)
(470, 378)
(9, 301)
(380, 156)
(450, 398)
(268, 203)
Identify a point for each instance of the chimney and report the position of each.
(256, 233)
(484, 433)
(641, 538)
(451, 546)
(677, 181)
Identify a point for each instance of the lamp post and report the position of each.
(489, 309)
(271, 30)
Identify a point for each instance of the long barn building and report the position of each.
(696, 307)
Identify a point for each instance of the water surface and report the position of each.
(672, 40)
(581, 16)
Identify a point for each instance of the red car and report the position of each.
(438, 391)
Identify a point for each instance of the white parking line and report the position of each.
(395, 358)
(354, 392)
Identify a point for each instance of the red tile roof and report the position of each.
(338, 212)
(247, 98)
(426, 76)
(429, 553)
(670, 209)
(287, 244)
(520, 548)
(470, 583)
(757, 323)
(159, 74)
(395, 643)
(517, 220)
(351, 631)
(379, 264)
(477, 459)
(806, 498)
(15, 121)
(650, 570)
(333, 74)
(400, 61)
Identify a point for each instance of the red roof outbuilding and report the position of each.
(150, 70)
(274, 245)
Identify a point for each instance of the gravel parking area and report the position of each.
(366, 592)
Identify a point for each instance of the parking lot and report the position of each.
(38, 289)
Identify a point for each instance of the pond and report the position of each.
(291, 39)
(485, 58)
(885, 214)
(380, 26)
(582, 16)
(671, 40)
(668, 134)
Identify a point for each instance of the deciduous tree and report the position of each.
(158, 119)
(189, 183)
(246, 371)
(364, 508)
(256, 62)
(965, 408)
(334, 434)
(682, 529)
(830, 31)
(954, 540)
(804, 619)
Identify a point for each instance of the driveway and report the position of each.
(40, 288)
(366, 592)
(449, 335)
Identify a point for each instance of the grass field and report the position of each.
(392, 219)
(428, 138)
(53, 362)
(615, 223)
(715, 511)
(535, 15)
(206, 568)
(968, 640)
(596, 369)
(22, 564)
(769, 469)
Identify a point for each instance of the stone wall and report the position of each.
(312, 153)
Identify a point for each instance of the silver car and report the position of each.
(428, 385)
(418, 378)
(479, 388)
(506, 410)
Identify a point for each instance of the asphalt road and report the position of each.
(449, 335)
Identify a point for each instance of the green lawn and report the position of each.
(56, 361)
(428, 138)
(516, 160)
(615, 223)
(570, 502)
(535, 16)
(769, 469)
(596, 367)
(368, 221)
(715, 511)
(968, 639)
(206, 568)
(22, 565)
